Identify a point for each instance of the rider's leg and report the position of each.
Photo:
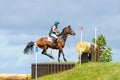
(54, 39)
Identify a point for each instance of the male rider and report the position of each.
(53, 32)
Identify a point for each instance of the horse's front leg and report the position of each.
(63, 55)
(59, 56)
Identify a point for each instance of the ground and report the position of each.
(15, 76)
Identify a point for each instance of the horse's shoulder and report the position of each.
(60, 39)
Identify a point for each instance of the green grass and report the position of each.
(88, 71)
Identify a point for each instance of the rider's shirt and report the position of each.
(53, 30)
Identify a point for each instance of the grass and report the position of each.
(88, 71)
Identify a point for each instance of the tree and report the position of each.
(106, 54)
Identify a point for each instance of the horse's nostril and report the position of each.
(73, 34)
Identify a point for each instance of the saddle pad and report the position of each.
(49, 38)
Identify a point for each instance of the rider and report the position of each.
(53, 32)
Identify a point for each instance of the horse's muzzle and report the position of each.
(73, 34)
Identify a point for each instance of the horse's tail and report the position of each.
(29, 48)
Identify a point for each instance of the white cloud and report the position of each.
(3, 40)
(13, 58)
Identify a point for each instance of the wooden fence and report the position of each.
(50, 68)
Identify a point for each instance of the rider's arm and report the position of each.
(54, 29)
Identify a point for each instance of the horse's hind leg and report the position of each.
(44, 52)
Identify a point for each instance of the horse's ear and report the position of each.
(69, 26)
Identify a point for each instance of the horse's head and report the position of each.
(68, 30)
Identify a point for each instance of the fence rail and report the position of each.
(50, 68)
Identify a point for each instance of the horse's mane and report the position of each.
(62, 31)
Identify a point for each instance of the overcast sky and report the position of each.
(22, 21)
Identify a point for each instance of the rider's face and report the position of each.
(57, 25)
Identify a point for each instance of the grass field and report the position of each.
(88, 71)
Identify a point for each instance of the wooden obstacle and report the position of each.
(50, 68)
(93, 55)
(90, 52)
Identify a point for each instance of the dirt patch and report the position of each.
(15, 76)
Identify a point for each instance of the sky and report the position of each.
(22, 21)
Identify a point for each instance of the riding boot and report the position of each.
(54, 42)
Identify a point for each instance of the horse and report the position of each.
(44, 44)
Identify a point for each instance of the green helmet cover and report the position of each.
(56, 23)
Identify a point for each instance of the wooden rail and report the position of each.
(50, 68)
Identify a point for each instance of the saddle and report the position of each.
(51, 39)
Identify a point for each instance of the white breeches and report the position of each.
(53, 35)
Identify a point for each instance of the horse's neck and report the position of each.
(64, 36)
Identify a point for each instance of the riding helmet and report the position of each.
(56, 23)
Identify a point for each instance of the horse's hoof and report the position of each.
(58, 60)
(65, 60)
(51, 57)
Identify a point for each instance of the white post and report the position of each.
(36, 50)
(51, 60)
(95, 42)
(80, 53)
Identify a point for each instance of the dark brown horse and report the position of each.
(44, 44)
